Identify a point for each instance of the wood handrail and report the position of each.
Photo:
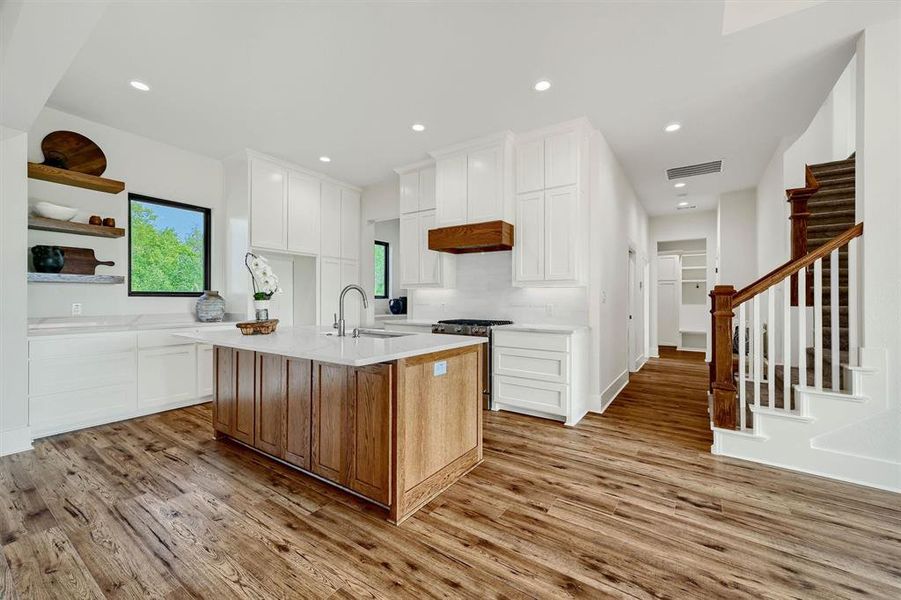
(793, 266)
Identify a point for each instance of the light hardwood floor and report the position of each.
(628, 504)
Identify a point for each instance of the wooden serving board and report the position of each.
(81, 261)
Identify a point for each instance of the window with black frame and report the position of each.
(380, 252)
(168, 247)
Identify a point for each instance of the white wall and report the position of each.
(773, 227)
(618, 222)
(379, 202)
(668, 228)
(737, 238)
(147, 167)
(878, 194)
(389, 231)
(15, 435)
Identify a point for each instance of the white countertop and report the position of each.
(114, 323)
(542, 328)
(313, 343)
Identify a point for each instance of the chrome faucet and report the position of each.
(339, 323)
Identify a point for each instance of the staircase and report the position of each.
(784, 374)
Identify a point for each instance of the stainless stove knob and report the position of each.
(458, 329)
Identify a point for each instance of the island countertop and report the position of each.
(314, 343)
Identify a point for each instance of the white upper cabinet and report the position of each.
(450, 190)
(268, 191)
(561, 159)
(303, 213)
(474, 182)
(410, 250)
(331, 220)
(528, 246)
(409, 192)
(561, 211)
(551, 206)
(427, 188)
(419, 266)
(485, 185)
(350, 225)
(429, 265)
(530, 166)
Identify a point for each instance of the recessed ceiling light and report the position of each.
(543, 85)
(683, 203)
(140, 85)
(681, 184)
(418, 127)
(325, 159)
(672, 127)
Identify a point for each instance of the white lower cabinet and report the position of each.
(541, 373)
(166, 375)
(204, 370)
(83, 380)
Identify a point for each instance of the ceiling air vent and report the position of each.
(706, 168)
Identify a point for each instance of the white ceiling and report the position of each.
(347, 79)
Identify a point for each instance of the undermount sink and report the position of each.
(374, 333)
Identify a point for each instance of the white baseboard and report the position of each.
(687, 349)
(640, 362)
(14, 441)
(613, 390)
(654, 351)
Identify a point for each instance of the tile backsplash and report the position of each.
(485, 291)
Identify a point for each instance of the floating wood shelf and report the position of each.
(70, 278)
(73, 178)
(44, 224)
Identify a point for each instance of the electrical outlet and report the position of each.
(76, 309)
(549, 310)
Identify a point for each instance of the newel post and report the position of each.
(722, 381)
(799, 217)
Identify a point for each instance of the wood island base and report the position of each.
(396, 433)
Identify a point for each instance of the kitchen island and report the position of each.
(394, 418)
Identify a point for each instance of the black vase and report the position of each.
(47, 259)
(398, 306)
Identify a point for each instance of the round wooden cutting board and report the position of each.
(73, 152)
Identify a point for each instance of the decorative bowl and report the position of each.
(55, 211)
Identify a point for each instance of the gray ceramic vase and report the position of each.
(210, 307)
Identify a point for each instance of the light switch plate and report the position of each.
(439, 368)
(76, 309)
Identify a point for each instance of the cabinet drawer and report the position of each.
(68, 374)
(81, 345)
(67, 411)
(554, 342)
(542, 396)
(160, 339)
(532, 364)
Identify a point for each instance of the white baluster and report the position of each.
(771, 347)
(818, 324)
(852, 303)
(758, 350)
(786, 345)
(834, 322)
(742, 401)
(802, 327)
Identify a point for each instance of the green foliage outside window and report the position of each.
(380, 252)
(168, 246)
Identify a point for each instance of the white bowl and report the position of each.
(55, 211)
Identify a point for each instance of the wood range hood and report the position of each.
(491, 236)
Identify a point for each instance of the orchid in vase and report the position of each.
(265, 284)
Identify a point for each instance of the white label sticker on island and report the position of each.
(439, 368)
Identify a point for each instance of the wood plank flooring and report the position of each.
(629, 504)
